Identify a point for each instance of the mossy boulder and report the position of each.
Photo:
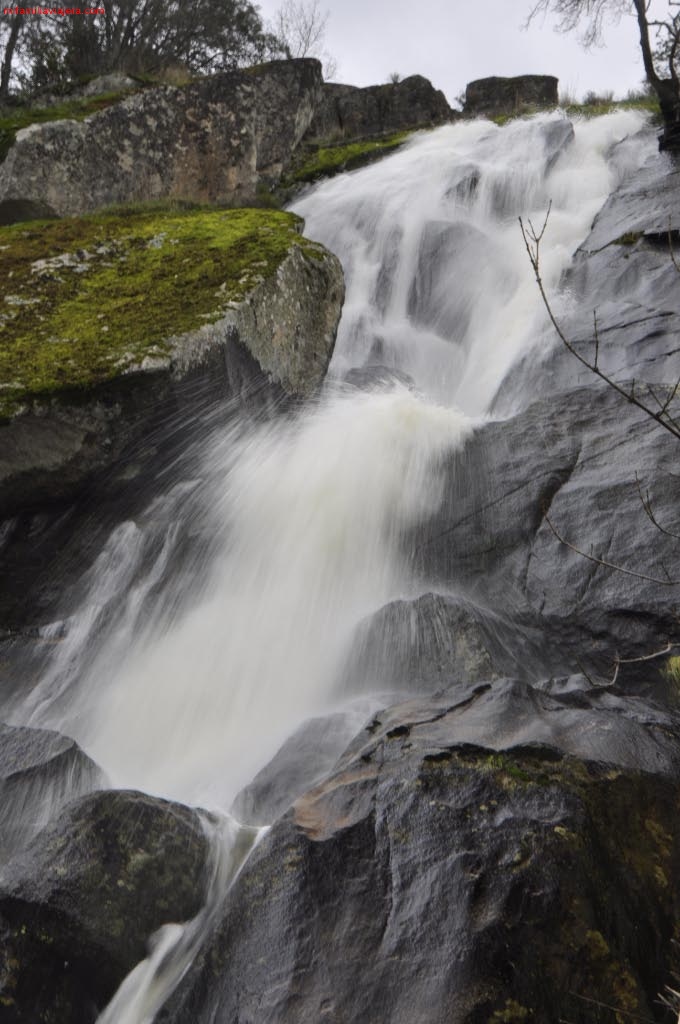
(466, 862)
(79, 905)
(105, 318)
(212, 140)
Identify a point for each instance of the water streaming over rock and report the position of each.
(306, 514)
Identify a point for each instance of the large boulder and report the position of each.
(427, 644)
(79, 905)
(510, 95)
(499, 853)
(40, 771)
(347, 111)
(118, 323)
(213, 140)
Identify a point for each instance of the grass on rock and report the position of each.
(86, 299)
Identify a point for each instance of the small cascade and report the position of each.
(438, 281)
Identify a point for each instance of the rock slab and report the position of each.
(347, 112)
(214, 140)
(509, 95)
(435, 879)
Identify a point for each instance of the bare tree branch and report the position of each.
(532, 242)
(649, 512)
(668, 582)
(645, 657)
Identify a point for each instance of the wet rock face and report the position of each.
(305, 758)
(427, 643)
(211, 141)
(347, 112)
(40, 771)
(624, 272)
(575, 457)
(273, 344)
(434, 878)
(510, 95)
(78, 906)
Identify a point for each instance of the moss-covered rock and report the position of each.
(324, 161)
(77, 908)
(103, 317)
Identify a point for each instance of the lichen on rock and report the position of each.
(211, 141)
(102, 317)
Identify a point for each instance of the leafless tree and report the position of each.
(659, 45)
(300, 26)
(144, 37)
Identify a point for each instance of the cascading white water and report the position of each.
(311, 513)
(307, 513)
(438, 280)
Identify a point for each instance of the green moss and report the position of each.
(79, 109)
(329, 160)
(629, 238)
(671, 671)
(512, 1013)
(647, 104)
(82, 300)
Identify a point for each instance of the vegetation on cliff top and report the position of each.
(593, 107)
(76, 109)
(329, 160)
(86, 299)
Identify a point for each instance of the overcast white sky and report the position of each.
(452, 42)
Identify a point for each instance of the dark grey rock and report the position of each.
(347, 112)
(574, 456)
(374, 377)
(305, 758)
(40, 771)
(420, 646)
(446, 251)
(77, 908)
(510, 95)
(214, 140)
(647, 203)
(624, 274)
(432, 879)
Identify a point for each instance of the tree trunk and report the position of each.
(6, 69)
(666, 89)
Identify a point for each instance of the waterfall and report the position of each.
(306, 515)
(438, 280)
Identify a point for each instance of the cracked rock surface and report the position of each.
(483, 855)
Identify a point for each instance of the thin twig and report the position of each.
(608, 565)
(615, 1009)
(644, 657)
(532, 243)
(649, 511)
